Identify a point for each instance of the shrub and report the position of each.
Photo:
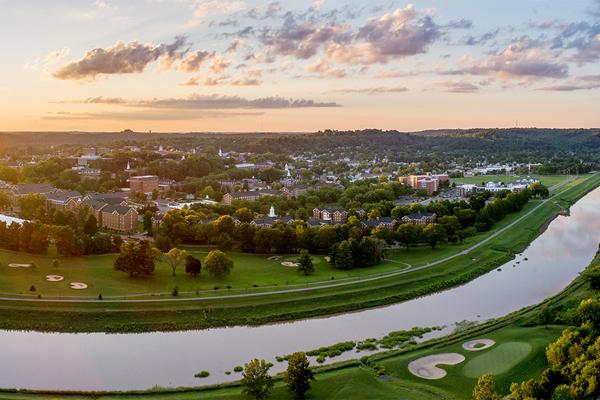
(238, 368)
(202, 374)
(32, 288)
(100, 296)
(175, 291)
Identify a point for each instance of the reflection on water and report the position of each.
(137, 361)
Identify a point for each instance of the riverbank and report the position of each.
(272, 307)
(359, 379)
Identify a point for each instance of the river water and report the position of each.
(99, 361)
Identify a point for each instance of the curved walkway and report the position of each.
(313, 288)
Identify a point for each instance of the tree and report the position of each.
(148, 226)
(217, 264)
(193, 266)
(406, 234)
(174, 258)
(91, 225)
(55, 264)
(305, 264)
(486, 389)
(434, 233)
(136, 258)
(256, 381)
(298, 375)
(244, 214)
(32, 206)
(5, 201)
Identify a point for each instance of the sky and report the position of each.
(244, 65)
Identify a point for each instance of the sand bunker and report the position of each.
(327, 258)
(54, 278)
(479, 344)
(78, 285)
(426, 367)
(20, 265)
(289, 264)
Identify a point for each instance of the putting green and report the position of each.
(498, 360)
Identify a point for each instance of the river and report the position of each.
(96, 361)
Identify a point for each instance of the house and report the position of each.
(330, 214)
(421, 218)
(382, 223)
(297, 190)
(118, 218)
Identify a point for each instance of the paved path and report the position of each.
(312, 288)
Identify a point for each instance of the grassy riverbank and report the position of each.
(519, 354)
(413, 282)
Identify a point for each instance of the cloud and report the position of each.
(193, 61)
(210, 102)
(373, 90)
(523, 59)
(154, 115)
(121, 58)
(93, 100)
(206, 8)
(587, 82)
(302, 39)
(193, 81)
(219, 65)
(473, 40)
(52, 58)
(325, 70)
(458, 86)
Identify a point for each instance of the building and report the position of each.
(143, 183)
(382, 223)
(252, 195)
(118, 218)
(420, 218)
(63, 199)
(430, 183)
(330, 214)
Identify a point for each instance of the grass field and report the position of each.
(502, 358)
(547, 180)
(269, 276)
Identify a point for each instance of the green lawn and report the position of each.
(502, 358)
(547, 180)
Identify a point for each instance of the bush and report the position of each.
(32, 288)
(202, 374)
(238, 368)
(100, 296)
(175, 291)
